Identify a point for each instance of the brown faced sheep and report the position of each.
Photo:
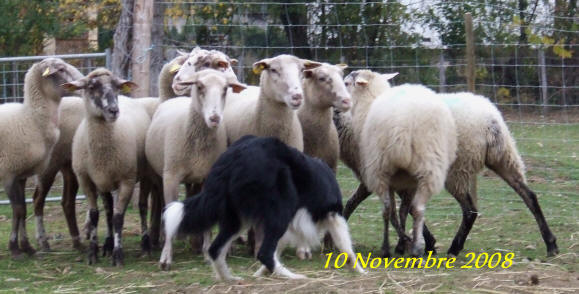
(108, 150)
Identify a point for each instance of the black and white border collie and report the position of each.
(261, 183)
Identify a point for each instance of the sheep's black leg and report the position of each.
(40, 192)
(360, 195)
(404, 241)
(386, 218)
(157, 205)
(469, 214)
(144, 191)
(530, 198)
(22, 234)
(93, 216)
(108, 245)
(70, 189)
(18, 208)
(120, 207)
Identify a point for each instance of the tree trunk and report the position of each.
(297, 35)
(141, 61)
(122, 46)
(157, 54)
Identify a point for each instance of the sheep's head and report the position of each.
(101, 90)
(208, 93)
(281, 78)
(53, 73)
(364, 83)
(327, 82)
(200, 59)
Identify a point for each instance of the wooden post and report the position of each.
(470, 68)
(141, 57)
(543, 79)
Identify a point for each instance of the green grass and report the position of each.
(504, 225)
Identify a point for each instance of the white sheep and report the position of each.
(187, 135)
(269, 110)
(483, 140)
(406, 139)
(108, 151)
(29, 133)
(323, 89)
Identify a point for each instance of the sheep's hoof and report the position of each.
(328, 243)
(43, 245)
(77, 245)
(304, 253)
(14, 250)
(26, 248)
(386, 253)
(400, 247)
(93, 252)
(453, 252)
(108, 246)
(165, 266)
(118, 256)
(146, 246)
(233, 278)
(552, 249)
(417, 252)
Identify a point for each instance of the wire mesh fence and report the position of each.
(525, 56)
(526, 60)
(13, 70)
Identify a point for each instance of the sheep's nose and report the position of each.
(215, 118)
(297, 97)
(114, 110)
(347, 102)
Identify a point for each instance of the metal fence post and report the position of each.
(108, 58)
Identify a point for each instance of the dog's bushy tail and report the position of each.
(195, 215)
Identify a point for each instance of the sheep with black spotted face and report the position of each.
(108, 152)
(29, 133)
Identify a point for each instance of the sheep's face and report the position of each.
(360, 82)
(327, 82)
(281, 78)
(208, 93)
(55, 72)
(101, 91)
(198, 60)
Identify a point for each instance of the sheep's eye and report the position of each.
(347, 84)
(207, 64)
(273, 70)
(189, 63)
(322, 79)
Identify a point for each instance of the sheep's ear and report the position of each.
(308, 64)
(125, 86)
(175, 67)
(233, 61)
(389, 76)
(361, 82)
(237, 87)
(74, 85)
(195, 50)
(259, 66)
(308, 73)
(51, 69)
(342, 66)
